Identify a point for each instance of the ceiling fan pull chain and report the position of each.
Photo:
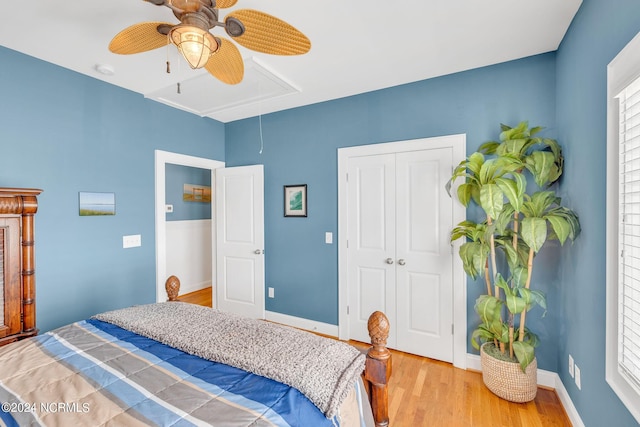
(260, 114)
(168, 63)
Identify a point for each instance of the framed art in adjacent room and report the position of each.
(295, 200)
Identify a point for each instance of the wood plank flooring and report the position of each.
(426, 392)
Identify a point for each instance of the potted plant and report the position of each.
(518, 218)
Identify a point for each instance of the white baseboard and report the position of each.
(546, 379)
(299, 322)
(567, 403)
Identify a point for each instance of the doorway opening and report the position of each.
(162, 158)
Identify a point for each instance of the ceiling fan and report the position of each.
(219, 56)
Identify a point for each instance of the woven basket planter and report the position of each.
(506, 379)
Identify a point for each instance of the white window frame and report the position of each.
(622, 71)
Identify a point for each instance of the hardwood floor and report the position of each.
(201, 297)
(426, 392)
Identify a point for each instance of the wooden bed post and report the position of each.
(172, 286)
(378, 368)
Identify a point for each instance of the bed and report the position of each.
(179, 364)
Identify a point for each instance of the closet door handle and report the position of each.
(401, 261)
(389, 260)
(257, 252)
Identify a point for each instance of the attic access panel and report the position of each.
(204, 96)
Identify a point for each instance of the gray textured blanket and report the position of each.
(321, 368)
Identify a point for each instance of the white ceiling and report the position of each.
(356, 46)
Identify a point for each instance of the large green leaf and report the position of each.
(519, 275)
(533, 298)
(474, 257)
(524, 353)
(480, 335)
(502, 284)
(542, 201)
(511, 189)
(491, 200)
(512, 146)
(504, 219)
(504, 333)
(468, 229)
(540, 299)
(540, 163)
(515, 304)
(475, 162)
(465, 191)
(511, 254)
(489, 147)
(489, 309)
(571, 218)
(535, 130)
(534, 232)
(560, 226)
(519, 131)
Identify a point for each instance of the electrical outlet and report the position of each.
(272, 293)
(578, 379)
(571, 366)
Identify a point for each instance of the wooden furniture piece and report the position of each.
(377, 369)
(17, 264)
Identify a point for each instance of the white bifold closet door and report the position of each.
(400, 257)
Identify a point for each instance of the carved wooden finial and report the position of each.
(172, 285)
(378, 326)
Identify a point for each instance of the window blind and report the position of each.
(629, 234)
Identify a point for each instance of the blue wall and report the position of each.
(64, 132)
(300, 147)
(599, 31)
(175, 177)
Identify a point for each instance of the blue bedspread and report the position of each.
(136, 381)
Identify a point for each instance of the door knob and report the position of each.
(389, 260)
(401, 261)
(257, 252)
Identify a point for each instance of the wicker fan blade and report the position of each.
(223, 4)
(226, 64)
(139, 38)
(268, 34)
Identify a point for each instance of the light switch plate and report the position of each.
(131, 241)
(328, 237)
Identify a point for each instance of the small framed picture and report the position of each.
(92, 203)
(196, 193)
(295, 200)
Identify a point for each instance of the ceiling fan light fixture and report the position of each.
(194, 43)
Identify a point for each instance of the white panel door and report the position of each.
(424, 270)
(240, 240)
(371, 249)
(399, 257)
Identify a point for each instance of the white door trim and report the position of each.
(161, 160)
(458, 144)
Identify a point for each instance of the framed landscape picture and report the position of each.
(295, 200)
(196, 193)
(97, 204)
